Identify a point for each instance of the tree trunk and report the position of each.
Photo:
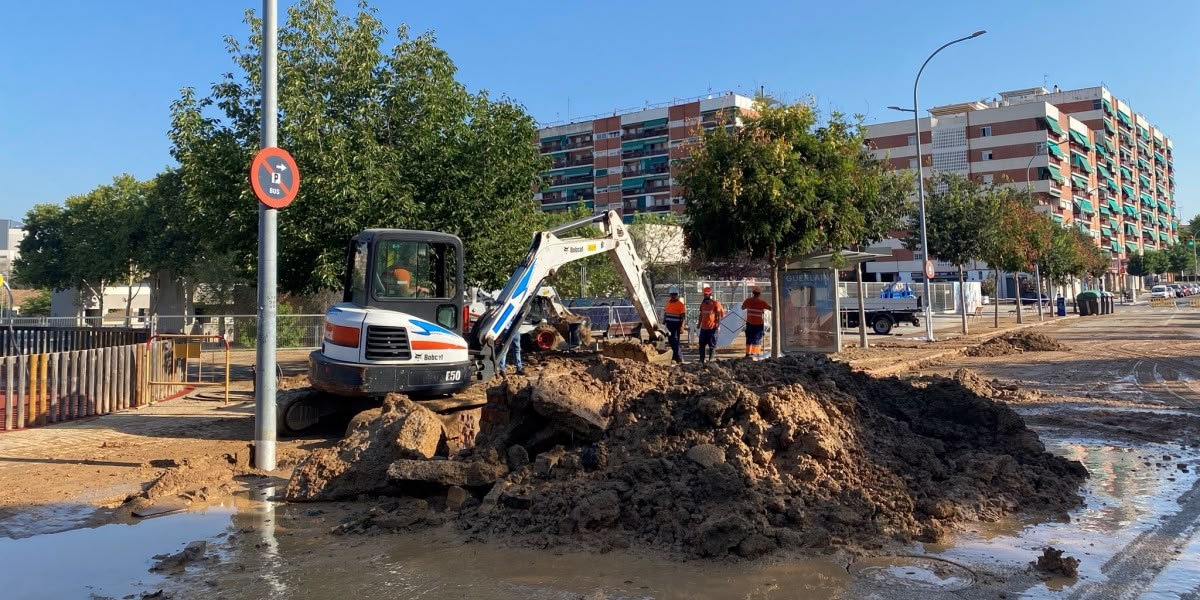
(1037, 276)
(962, 298)
(1017, 292)
(996, 299)
(862, 306)
(776, 305)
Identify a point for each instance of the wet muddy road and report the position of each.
(1123, 401)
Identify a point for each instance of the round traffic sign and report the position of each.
(274, 177)
(929, 272)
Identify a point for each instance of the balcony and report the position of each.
(632, 154)
(557, 181)
(577, 144)
(566, 164)
(645, 133)
(657, 169)
(550, 148)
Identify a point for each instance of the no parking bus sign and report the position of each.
(274, 177)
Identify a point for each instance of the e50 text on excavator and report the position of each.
(403, 323)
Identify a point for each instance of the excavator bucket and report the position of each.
(630, 349)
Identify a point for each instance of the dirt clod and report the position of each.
(191, 553)
(1053, 562)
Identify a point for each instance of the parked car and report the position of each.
(1178, 289)
(1161, 291)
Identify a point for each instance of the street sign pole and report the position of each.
(264, 385)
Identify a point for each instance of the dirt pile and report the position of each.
(1016, 343)
(996, 389)
(735, 458)
(630, 349)
(1053, 562)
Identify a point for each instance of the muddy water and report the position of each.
(260, 549)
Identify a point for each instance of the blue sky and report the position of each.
(86, 85)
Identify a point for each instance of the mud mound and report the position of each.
(628, 349)
(1016, 343)
(737, 458)
(996, 389)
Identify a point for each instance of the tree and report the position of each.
(658, 239)
(782, 185)
(1023, 235)
(961, 222)
(1180, 258)
(382, 140)
(1192, 228)
(1156, 262)
(37, 305)
(1137, 266)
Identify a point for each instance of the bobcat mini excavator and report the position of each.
(403, 324)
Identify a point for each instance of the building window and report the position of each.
(987, 178)
(987, 155)
(985, 132)
(912, 163)
(912, 140)
(1096, 105)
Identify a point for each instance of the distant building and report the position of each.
(11, 234)
(623, 161)
(1090, 161)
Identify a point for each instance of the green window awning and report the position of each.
(1112, 204)
(1080, 182)
(1081, 161)
(1055, 174)
(1132, 246)
(1080, 139)
(1108, 109)
(1113, 223)
(1128, 191)
(1126, 173)
(1132, 229)
(1124, 118)
(1057, 219)
(1142, 163)
(1159, 157)
(1162, 236)
(1101, 150)
(1055, 151)
(1112, 184)
(1162, 221)
(1116, 246)
(1148, 218)
(1109, 127)
(1084, 206)
(1083, 226)
(1162, 206)
(1052, 125)
(1147, 200)
(1108, 145)
(1104, 171)
(1145, 181)
(1131, 211)
(1143, 133)
(1106, 231)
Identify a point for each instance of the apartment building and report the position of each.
(624, 161)
(11, 234)
(1090, 160)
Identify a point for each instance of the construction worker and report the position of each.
(514, 350)
(711, 313)
(674, 317)
(754, 306)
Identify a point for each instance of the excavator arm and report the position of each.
(547, 254)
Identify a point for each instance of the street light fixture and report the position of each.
(921, 180)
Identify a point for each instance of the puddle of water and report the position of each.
(1124, 498)
(913, 573)
(108, 561)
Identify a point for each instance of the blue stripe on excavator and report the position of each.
(503, 317)
(518, 291)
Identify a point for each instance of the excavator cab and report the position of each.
(419, 273)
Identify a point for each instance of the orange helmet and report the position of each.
(757, 288)
(707, 289)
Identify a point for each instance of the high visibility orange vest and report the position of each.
(754, 307)
(674, 312)
(711, 313)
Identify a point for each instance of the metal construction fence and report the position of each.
(24, 339)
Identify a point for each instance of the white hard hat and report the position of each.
(672, 290)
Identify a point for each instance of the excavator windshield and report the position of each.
(415, 272)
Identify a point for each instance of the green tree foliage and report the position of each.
(657, 238)
(1156, 262)
(1180, 258)
(962, 222)
(1192, 228)
(784, 185)
(37, 305)
(382, 139)
(1137, 266)
(1024, 235)
(90, 242)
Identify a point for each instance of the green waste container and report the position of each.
(1088, 303)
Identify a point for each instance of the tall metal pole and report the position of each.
(921, 183)
(264, 384)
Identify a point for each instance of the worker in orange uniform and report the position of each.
(711, 313)
(674, 317)
(755, 308)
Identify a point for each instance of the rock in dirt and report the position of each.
(359, 463)
(815, 455)
(630, 349)
(191, 553)
(1016, 343)
(574, 404)
(1053, 562)
(706, 455)
(446, 472)
(456, 497)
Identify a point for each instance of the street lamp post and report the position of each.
(921, 181)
